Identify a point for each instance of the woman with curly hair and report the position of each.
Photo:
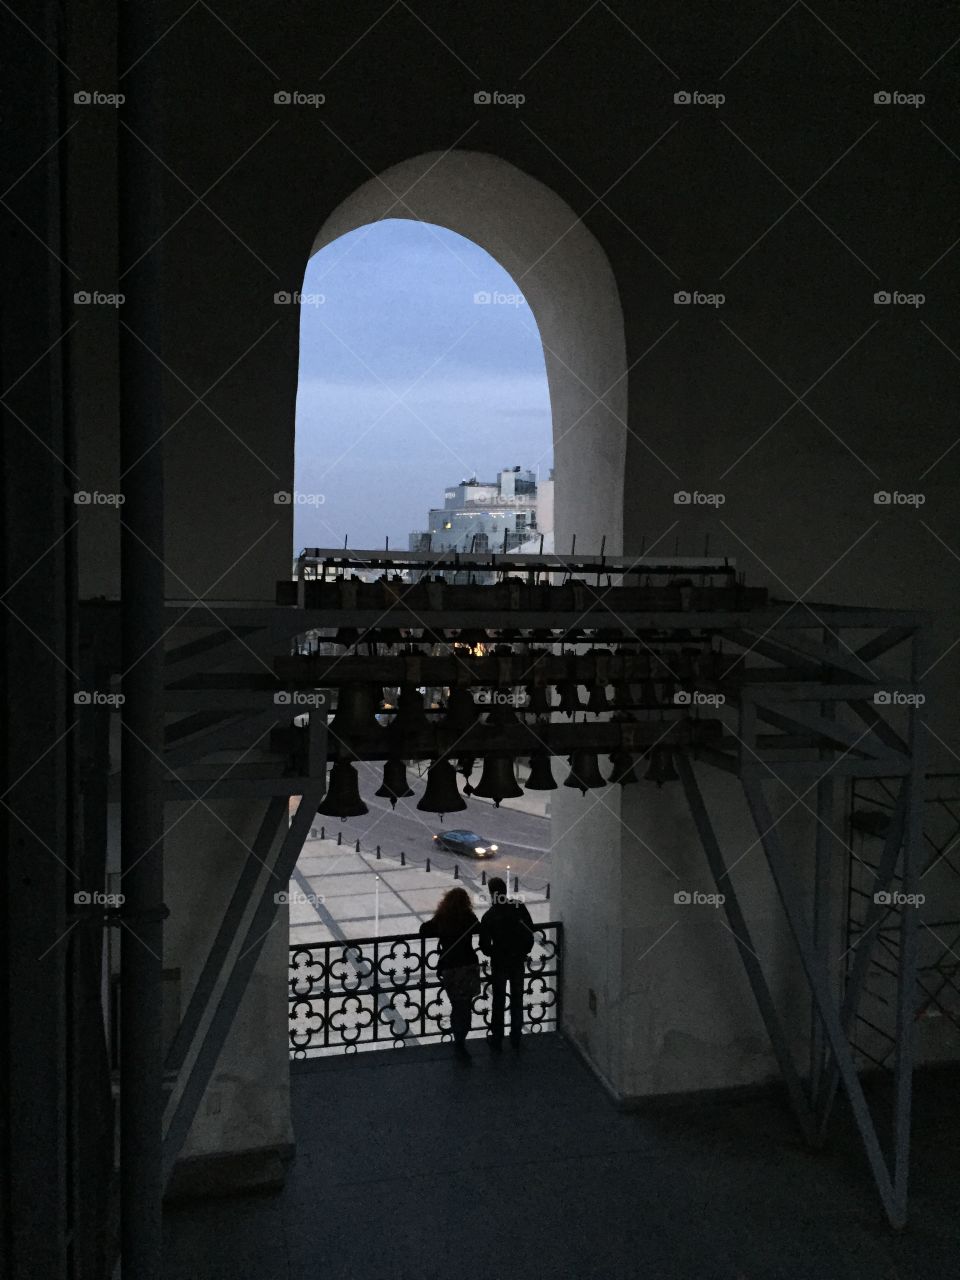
(458, 968)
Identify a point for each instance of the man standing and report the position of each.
(506, 936)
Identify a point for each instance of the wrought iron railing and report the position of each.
(374, 993)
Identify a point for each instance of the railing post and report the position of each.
(428, 864)
(323, 833)
(357, 850)
(516, 884)
(339, 837)
(403, 858)
(378, 853)
(483, 877)
(456, 871)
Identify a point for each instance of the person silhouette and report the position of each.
(458, 967)
(506, 936)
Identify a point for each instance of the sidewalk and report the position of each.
(337, 893)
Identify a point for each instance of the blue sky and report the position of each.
(398, 316)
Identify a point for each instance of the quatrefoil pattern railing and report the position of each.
(372, 993)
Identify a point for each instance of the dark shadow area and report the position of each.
(412, 1167)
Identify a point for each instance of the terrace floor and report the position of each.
(411, 1166)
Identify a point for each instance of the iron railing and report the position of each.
(374, 993)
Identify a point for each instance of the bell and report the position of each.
(538, 701)
(623, 768)
(357, 707)
(394, 786)
(462, 711)
(569, 697)
(541, 775)
(597, 701)
(501, 715)
(661, 767)
(410, 717)
(347, 636)
(343, 794)
(584, 772)
(498, 780)
(465, 766)
(441, 794)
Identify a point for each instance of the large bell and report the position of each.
(623, 768)
(462, 711)
(498, 780)
(584, 772)
(538, 701)
(661, 766)
(441, 794)
(357, 707)
(343, 794)
(597, 701)
(569, 697)
(394, 786)
(541, 775)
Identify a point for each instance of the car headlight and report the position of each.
(494, 848)
(479, 848)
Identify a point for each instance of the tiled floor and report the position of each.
(413, 1167)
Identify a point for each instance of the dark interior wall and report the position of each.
(687, 197)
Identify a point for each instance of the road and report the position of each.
(523, 838)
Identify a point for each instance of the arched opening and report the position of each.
(544, 252)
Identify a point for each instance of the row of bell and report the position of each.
(498, 780)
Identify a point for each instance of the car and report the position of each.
(467, 843)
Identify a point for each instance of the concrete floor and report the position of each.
(413, 1167)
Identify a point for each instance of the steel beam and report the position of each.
(751, 961)
(818, 980)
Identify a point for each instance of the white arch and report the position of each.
(569, 285)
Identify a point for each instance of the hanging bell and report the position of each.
(584, 772)
(498, 780)
(462, 711)
(465, 766)
(541, 775)
(410, 717)
(441, 794)
(661, 766)
(538, 701)
(623, 768)
(347, 636)
(597, 701)
(357, 707)
(569, 697)
(343, 794)
(394, 786)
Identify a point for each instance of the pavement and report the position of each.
(411, 1166)
(337, 893)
